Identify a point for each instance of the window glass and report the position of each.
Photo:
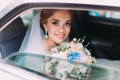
(27, 18)
(105, 14)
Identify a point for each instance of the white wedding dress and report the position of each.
(33, 43)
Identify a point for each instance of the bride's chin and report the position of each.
(57, 43)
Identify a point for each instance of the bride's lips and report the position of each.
(61, 36)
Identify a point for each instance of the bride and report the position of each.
(49, 28)
(57, 25)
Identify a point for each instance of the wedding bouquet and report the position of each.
(68, 68)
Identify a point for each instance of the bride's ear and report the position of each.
(46, 30)
(44, 26)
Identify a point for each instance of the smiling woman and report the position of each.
(57, 25)
(55, 28)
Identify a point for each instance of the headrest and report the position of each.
(13, 30)
(11, 37)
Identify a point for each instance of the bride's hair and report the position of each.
(46, 13)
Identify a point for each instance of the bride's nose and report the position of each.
(61, 28)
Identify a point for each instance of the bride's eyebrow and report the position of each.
(68, 21)
(59, 20)
(55, 20)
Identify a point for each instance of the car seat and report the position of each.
(11, 37)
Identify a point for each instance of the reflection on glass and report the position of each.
(98, 13)
(105, 14)
(56, 68)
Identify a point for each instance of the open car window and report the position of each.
(102, 33)
(39, 63)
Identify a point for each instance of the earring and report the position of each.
(46, 34)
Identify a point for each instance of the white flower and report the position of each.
(74, 39)
(82, 68)
(87, 52)
(46, 67)
(79, 46)
(63, 68)
(54, 50)
(83, 57)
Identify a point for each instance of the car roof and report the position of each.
(4, 3)
(116, 3)
(8, 5)
(92, 2)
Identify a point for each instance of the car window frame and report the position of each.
(19, 9)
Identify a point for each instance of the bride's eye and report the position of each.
(55, 23)
(68, 24)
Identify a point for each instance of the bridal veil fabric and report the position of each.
(33, 42)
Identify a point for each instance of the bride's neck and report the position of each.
(50, 44)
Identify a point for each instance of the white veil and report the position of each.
(33, 42)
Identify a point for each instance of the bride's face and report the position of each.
(58, 26)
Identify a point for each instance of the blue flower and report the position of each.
(73, 56)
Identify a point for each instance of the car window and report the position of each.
(82, 25)
(105, 14)
(24, 60)
(27, 18)
(98, 13)
(35, 63)
(36, 60)
(101, 34)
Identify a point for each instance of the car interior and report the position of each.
(11, 37)
(102, 34)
